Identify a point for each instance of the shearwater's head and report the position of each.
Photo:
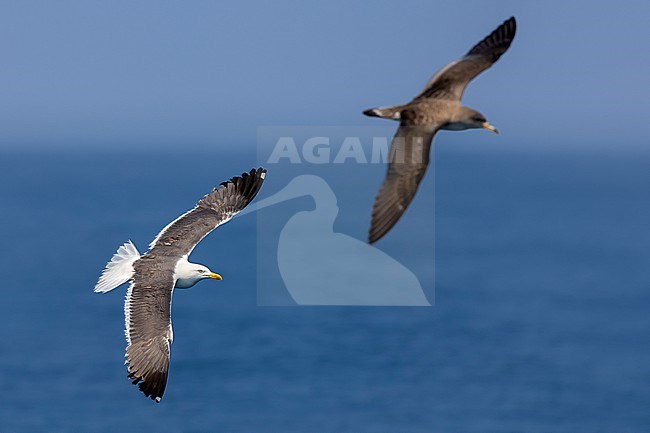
(188, 274)
(467, 118)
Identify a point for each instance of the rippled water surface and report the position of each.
(540, 322)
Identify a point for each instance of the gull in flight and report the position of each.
(155, 275)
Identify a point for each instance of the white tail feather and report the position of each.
(119, 270)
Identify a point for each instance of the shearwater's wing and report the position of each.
(147, 315)
(407, 162)
(450, 82)
(181, 235)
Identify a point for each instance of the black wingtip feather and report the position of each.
(152, 386)
(248, 184)
(497, 42)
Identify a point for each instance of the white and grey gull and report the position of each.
(164, 267)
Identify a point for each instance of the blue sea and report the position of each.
(540, 319)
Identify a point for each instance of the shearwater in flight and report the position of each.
(437, 107)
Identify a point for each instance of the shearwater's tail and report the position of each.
(385, 112)
(119, 270)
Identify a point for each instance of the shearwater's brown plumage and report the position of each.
(437, 107)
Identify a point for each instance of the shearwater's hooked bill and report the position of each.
(154, 275)
(437, 107)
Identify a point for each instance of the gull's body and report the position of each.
(437, 107)
(155, 275)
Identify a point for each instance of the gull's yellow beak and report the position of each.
(215, 276)
(490, 128)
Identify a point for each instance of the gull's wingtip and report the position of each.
(248, 183)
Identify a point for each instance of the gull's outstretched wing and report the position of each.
(450, 81)
(147, 308)
(147, 316)
(407, 162)
(181, 235)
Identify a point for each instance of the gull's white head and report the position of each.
(188, 274)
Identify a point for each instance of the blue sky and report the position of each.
(104, 75)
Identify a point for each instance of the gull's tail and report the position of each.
(119, 270)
